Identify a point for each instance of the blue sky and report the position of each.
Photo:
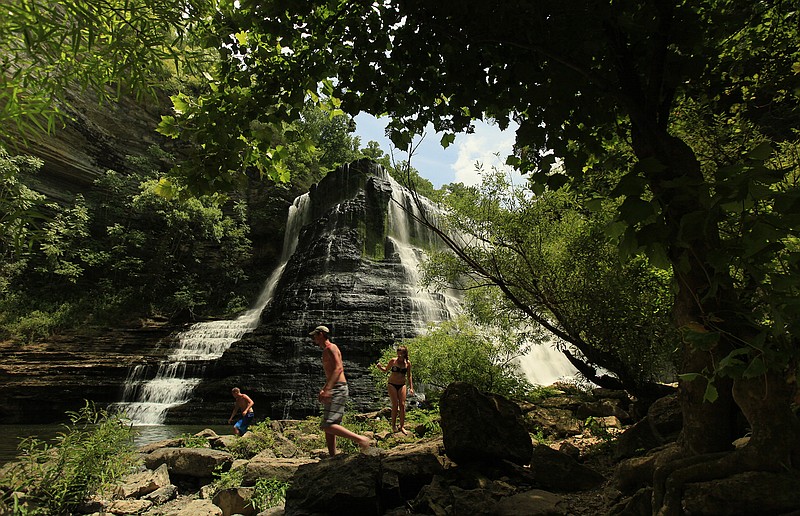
(453, 164)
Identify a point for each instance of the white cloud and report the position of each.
(457, 162)
(487, 145)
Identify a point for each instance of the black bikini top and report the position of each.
(401, 370)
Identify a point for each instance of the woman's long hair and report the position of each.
(404, 353)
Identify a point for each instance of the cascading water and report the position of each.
(146, 401)
(406, 230)
(542, 365)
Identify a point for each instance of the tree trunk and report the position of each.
(708, 425)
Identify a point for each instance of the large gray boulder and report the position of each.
(189, 462)
(478, 427)
(140, 484)
(344, 484)
(262, 466)
(557, 471)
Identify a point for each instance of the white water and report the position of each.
(407, 234)
(544, 365)
(146, 401)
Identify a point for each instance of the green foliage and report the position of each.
(37, 324)
(428, 419)
(463, 351)
(268, 492)
(51, 49)
(550, 261)
(262, 438)
(19, 205)
(597, 430)
(125, 248)
(95, 450)
(226, 480)
(542, 392)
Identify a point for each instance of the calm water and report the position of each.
(11, 435)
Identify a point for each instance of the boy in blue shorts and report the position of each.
(243, 405)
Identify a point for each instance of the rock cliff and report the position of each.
(350, 272)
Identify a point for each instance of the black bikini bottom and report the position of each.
(397, 386)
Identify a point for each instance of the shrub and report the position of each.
(95, 450)
(268, 492)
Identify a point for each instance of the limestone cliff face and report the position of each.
(346, 273)
(39, 382)
(50, 377)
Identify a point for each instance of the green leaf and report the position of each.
(690, 377)
(711, 393)
(168, 127)
(657, 256)
(634, 209)
(762, 152)
(700, 338)
(757, 367)
(447, 140)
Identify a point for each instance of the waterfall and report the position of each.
(146, 401)
(410, 237)
(545, 365)
(542, 365)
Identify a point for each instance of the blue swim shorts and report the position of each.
(244, 422)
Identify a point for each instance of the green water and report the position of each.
(11, 435)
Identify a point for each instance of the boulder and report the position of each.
(602, 408)
(174, 442)
(552, 422)
(124, 507)
(479, 427)
(139, 484)
(223, 441)
(344, 484)
(405, 471)
(662, 424)
(190, 462)
(635, 473)
(235, 500)
(531, 503)
(262, 466)
(195, 508)
(162, 494)
(554, 470)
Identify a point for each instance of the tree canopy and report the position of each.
(550, 258)
(686, 113)
(616, 95)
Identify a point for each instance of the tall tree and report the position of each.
(592, 83)
(553, 262)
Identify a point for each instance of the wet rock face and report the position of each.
(40, 382)
(347, 274)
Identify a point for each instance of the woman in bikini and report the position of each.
(400, 368)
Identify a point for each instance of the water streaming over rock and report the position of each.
(355, 269)
(146, 399)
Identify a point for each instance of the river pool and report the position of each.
(11, 435)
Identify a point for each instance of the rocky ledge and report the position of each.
(588, 458)
(43, 380)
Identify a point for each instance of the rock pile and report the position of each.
(485, 462)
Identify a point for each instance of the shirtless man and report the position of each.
(333, 395)
(244, 405)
